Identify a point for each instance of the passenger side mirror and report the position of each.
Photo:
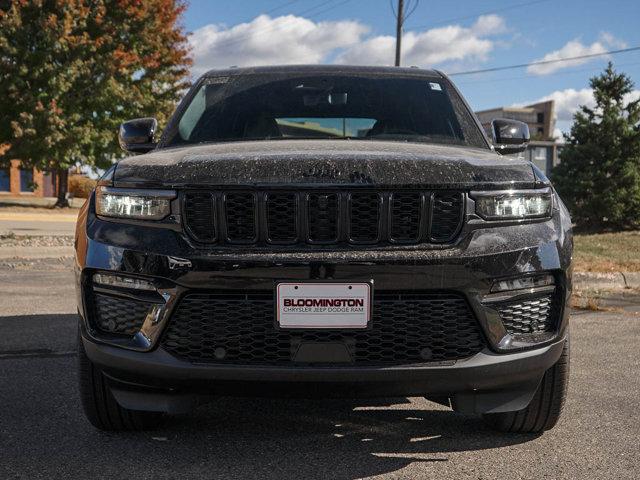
(509, 136)
(136, 136)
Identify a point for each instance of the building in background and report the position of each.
(18, 181)
(543, 148)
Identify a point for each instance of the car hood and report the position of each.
(324, 162)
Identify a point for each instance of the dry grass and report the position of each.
(590, 301)
(607, 252)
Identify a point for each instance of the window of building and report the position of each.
(26, 180)
(540, 156)
(540, 117)
(5, 184)
(540, 153)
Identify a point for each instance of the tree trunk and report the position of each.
(63, 177)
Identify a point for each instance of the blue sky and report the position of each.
(449, 35)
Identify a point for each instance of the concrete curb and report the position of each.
(608, 281)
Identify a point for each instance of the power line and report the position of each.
(544, 62)
(281, 6)
(475, 15)
(332, 7)
(523, 77)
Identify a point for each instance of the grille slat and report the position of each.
(282, 217)
(240, 329)
(364, 217)
(406, 213)
(202, 226)
(323, 211)
(323, 217)
(446, 216)
(240, 217)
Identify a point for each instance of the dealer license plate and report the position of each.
(323, 305)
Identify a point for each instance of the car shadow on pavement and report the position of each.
(338, 439)
(45, 430)
(38, 335)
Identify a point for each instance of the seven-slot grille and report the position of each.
(322, 217)
(239, 328)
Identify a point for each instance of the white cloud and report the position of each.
(291, 39)
(431, 47)
(575, 48)
(270, 41)
(568, 101)
(489, 25)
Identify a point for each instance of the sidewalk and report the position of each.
(6, 202)
(38, 223)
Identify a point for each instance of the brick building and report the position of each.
(16, 181)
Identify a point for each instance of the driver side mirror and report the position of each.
(509, 136)
(137, 136)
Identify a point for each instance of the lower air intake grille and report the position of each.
(529, 316)
(238, 328)
(119, 315)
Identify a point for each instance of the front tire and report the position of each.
(546, 406)
(101, 408)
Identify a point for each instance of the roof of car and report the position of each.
(332, 69)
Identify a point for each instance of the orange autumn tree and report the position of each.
(72, 70)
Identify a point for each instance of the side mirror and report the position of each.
(509, 136)
(136, 136)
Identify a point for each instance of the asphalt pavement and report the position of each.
(43, 433)
(37, 224)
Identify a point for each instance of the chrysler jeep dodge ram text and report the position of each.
(324, 231)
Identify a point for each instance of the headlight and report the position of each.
(132, 203)
(513, 204)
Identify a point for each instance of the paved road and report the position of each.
(37, 224)
(43, 433)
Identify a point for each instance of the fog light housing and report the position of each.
(119, 281)
(522, 283)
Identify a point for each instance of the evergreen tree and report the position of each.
(599, 174)
(72, 70)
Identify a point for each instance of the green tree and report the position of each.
(72, 70)
(599, 174)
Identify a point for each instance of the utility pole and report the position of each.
(399, 22)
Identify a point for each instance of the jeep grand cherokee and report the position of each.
(324, 231)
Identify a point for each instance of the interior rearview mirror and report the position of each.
(313, 100)
(509, 136)
(137, 136)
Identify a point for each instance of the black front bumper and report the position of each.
(501, 377)
(486, 382)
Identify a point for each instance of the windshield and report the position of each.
(265, 107)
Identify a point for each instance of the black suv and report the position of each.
(324, 231)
